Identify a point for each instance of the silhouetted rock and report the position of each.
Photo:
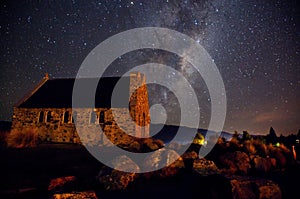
(181, 185)
(247, 188)
(235, 162)
(75, 195)
(62, 184)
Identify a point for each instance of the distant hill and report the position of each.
(167, 132)
(5, 125)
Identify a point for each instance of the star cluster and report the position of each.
(255, 45)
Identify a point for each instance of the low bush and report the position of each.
(24, 138)
(3, 136)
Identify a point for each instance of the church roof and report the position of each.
(57, 93)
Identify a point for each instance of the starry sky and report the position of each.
(254, 43)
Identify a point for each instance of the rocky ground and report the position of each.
(69, 171)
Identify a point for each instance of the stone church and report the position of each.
(48, 110)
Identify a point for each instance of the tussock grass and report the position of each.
(24, 138)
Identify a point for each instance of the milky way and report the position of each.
(255, 45)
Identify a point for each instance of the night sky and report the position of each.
(254, 43)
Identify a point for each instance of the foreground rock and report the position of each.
(75, 195)
(184, 184)
(114, 179)
(247, 188)
(161, 158)
(62, 183)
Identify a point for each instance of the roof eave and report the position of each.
(28, 95)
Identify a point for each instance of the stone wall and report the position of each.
(51, 127)
(55, 128)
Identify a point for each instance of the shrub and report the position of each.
(261, 148)
(234, 144)
(22, 138)
(284, 148)
(3, 136)
(249, 147)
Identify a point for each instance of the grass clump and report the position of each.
(25, 138)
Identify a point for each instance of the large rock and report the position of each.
(162, 157)
(248, 188)
(236, 162)
(114, 179)
(125, 163)
(205, 167)
(75, 195)
(62, 183)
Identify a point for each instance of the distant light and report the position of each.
(277, 144)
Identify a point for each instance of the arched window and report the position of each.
(66, 117)
(101, 117)
(74, 116)
(93, 117)
(49, 116)
(41, 117)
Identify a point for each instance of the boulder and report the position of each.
(62, 183)
(168, 161)
(114, 179)
(125, 163)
